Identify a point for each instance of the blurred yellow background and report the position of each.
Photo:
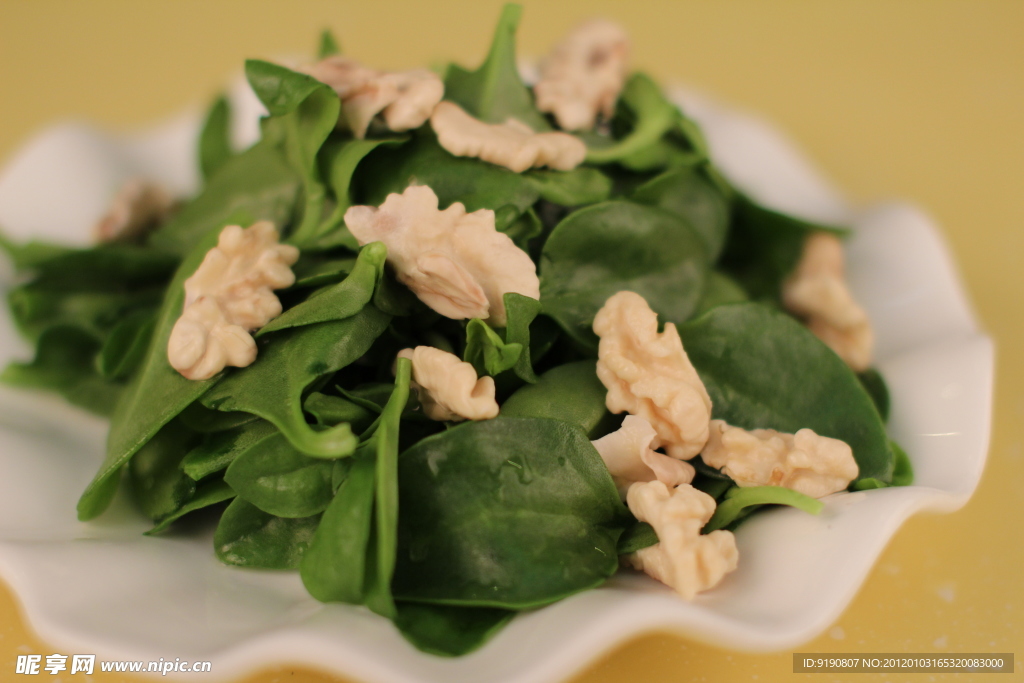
(914, 100)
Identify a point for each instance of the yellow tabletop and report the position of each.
(915, 100)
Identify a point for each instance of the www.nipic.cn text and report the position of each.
(34, 665)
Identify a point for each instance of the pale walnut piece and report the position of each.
(229, 295)
(805, 462)
(512, 144)
(649, 374)
(583, 75)
(448, 388)
(138, 207)
(629, 457)
(683, 558)
(405, 99)
(817, 291)
(455, 262)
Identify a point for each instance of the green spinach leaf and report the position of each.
(494, 92)
(764, 246)
(31, 254)
(370, 396)
(903, 469)
(765, 370)
(36, 308)
(523, 228)
(159, 486)
(705, 470)
(682, 146)
(215, 138)
(206, 495)
(570, 392)
(334, 566)
(448, 630)
(64, 363)
(303, 111)
(272, 387)
(509, 513)
(653, 114)
(316, 270)
(687, 193)
(720, 289)
(614, 246)
(869, 484)
(713, 486)
(218, 450)
(577, 187)
(476, 184)
(329, 411)
(877, 389)
(738, 498)
(329, 45)
(257, 184)
(278, 479)
(351, 557)
(125, 347)
(487, 351)
(340, 301)
(249, 537)
(383, 550)
(522, 311)
(340, 157)
(662, 153)
(902, 472)
(199, 418)
(112, 267)
(283, 91)
(636, 537)
(492, 353)
(154, 396)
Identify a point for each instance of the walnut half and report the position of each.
(583, 75)
(817, 291)
(228, 296)
(455, 262)
(448, 388)
(512, 144)
(683, 558)
(405, 99)
(649, 374)
(138, 207)
(629, 457)
(806, 462)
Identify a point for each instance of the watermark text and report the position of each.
(35, 665)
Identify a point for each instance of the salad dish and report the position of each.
(453, 350)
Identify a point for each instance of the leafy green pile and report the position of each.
(319, 452)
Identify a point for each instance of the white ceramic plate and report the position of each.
(104, 588)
